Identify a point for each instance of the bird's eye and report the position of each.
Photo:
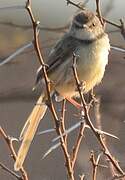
(93, 24)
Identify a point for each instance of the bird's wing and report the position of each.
(59, 54)
(62, 50)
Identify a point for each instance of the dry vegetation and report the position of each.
(104, 157)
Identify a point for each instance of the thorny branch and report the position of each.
(48, 89)
(40, 58)
(9, 142)
(60, 124)
(96, 132)
(60, 128)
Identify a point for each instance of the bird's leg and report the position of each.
(73, 102)
(77, 105)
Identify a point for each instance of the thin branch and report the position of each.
(62, 122)
(6, 169)
(99, 11)
(118, 49)
(48, 89)
(39, 55)
(95, 164)
(17, 52)
(77, 144)
(96, 132)
(82, 177)
(51, 149)
(9, 142)
(122, 27)
(117, 177)
(71, 129)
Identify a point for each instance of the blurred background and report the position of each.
(17, 79)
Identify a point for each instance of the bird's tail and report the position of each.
(29, 130)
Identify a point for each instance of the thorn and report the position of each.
(52, 148)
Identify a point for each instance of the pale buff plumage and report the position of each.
(87, 39)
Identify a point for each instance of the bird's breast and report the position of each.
(92, 62)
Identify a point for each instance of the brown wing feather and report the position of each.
(60, 53)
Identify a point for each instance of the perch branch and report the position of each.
(47, 82)
(96, 132)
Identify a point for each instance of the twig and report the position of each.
(82, 177)
(122, 27)
(117, 177)
(62, 122)
(118, 49)
(5, 168)
(89, 123)
(99, 11)
(9, 142)
(17, 52)
(95, 164)
(74, 4)
(78, 142)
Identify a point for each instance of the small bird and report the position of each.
(87, 39)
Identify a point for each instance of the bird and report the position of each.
(86, 38)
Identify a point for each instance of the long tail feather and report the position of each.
(25, 127)
(29, 130)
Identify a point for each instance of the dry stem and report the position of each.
(77, 144)
(47, 81)
(9, 142)
(95, 164)
(89, 123)
(62, 121)
(99, 12)
(5, 168)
